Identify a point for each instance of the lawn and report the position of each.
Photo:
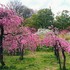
(38, 60)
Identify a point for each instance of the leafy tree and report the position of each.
(31, 22)
(42, 19)
(62, 20)
(20, 9)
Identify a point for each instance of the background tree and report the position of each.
(31, 22)
(20, 9)
(42, 19)
(62, 20)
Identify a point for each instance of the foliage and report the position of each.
(44, 49)
(62, 20)
(42, 19)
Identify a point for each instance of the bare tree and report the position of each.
(20, 9)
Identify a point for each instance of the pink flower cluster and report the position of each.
(50, 40)
(8, 17)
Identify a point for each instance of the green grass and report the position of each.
(34, 61)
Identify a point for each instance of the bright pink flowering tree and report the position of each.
(8, 20)
(33, 41)
(28, 40)
(50, 40)
(21, 39)
(59, 44)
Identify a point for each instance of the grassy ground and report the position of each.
(34, 61)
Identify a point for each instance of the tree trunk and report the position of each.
(57, 54)
(22, 53)
(64, 62)
(1, 46)
(58, 57)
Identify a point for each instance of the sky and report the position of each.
(55, 5)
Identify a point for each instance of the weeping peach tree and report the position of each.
(59, 44)
(8, 20)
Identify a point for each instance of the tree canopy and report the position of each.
(63, 20)
(42, 19)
